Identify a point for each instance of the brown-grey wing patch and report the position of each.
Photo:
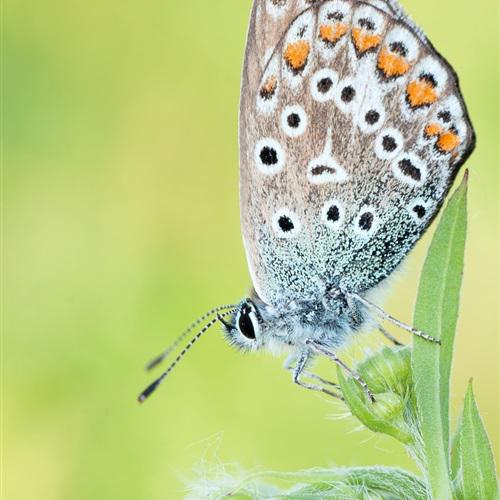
(349, 141)
(269, 21)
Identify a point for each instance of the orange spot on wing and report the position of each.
(421, 93)
(332, 32)
(433, 129)
(365, 41)
(296, 54)
(448, 141)
(269, 87)
(392, 64)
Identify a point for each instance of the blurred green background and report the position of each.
(121, 225)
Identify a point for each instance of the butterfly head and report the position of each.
(244, 329)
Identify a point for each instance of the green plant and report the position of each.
(412, 391)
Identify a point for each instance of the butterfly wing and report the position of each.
(352, 129)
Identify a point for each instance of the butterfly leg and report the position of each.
(390, 318)
(298, 372)
(290, 365)
(320, 349)
(389, 337)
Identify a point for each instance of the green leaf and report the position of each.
(388, 483)
(375, 482)
(436, 314)
(455, 455)
(472, 458)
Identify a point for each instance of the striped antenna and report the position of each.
(159, 359)
(152, 387)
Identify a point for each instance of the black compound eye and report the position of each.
(245, 324)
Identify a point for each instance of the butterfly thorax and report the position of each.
(330, 319)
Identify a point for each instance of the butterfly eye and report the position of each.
(248, 324)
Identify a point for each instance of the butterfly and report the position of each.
(352, 131)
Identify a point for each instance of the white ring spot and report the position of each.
(323, 85)
(332, 214)
(410, 169)
(294, 121)
(403, 37)
(419, 210)
(346, 95)
(269, 156)
(371, 119)
(325, 169)
(372, 15)
(366, 223)
(432, 66)
(286, 224)
(388, 144)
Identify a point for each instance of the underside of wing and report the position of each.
(352, 129)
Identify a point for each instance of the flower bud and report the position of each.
(388, 375)
(388, 406)
(388, 370)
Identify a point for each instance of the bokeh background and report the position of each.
(121, 225)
